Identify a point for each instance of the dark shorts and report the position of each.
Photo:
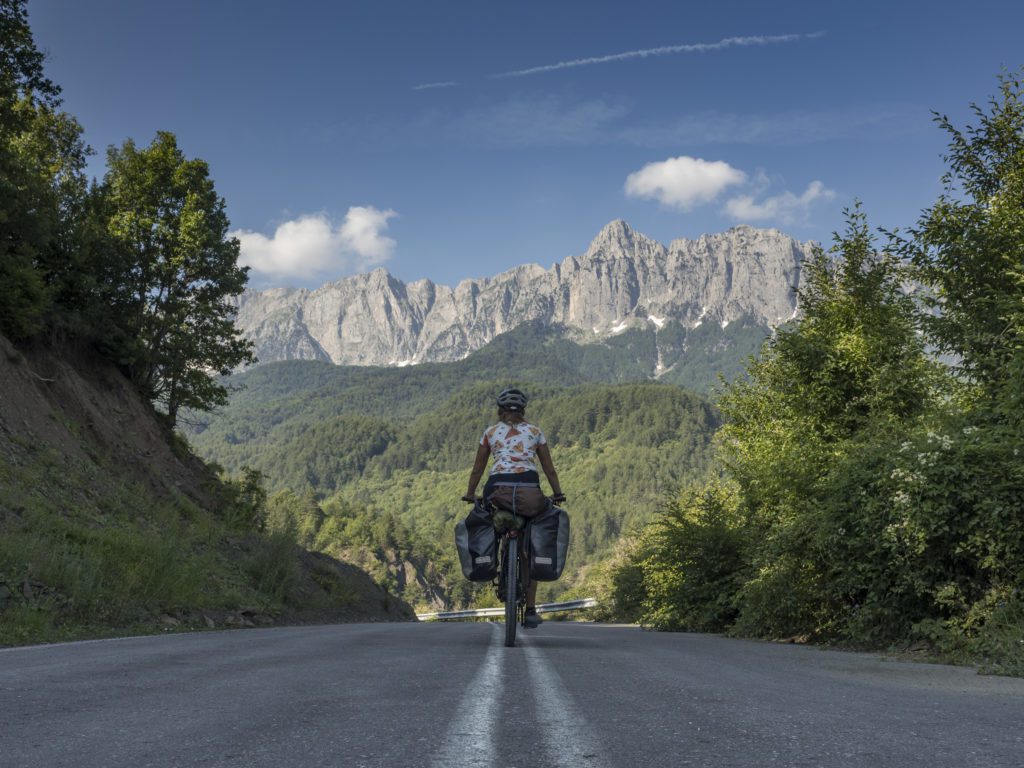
(526, 478)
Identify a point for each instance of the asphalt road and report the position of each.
(437, 695)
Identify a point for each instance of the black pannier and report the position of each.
(478, 545)
(549, 543)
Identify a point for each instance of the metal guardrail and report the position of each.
(473, 613)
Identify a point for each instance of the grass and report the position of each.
(85, 552)
(273, 568)
(997, 648)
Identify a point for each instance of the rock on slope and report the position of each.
(623, 279)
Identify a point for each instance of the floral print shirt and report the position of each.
(513, 447)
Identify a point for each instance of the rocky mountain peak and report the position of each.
(617, 240)
(617, 231)
(623, 278)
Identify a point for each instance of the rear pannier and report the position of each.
(549, 543)
(478, 545)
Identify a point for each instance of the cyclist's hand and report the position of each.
(558, 498)
(469, 499)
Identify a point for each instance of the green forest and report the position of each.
(385, 490)
(374, 460)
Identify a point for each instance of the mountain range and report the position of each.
(624, 281)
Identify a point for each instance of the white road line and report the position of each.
(470, 741)
(569, 741)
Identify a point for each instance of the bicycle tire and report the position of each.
(511, 566)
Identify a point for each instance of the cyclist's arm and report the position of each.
(479, 465)
(549, 469)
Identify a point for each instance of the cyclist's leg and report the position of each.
(531, 595)
(531, 620)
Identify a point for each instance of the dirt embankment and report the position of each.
(70, 401)
(74, 434)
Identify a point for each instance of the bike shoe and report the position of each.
(531, 620)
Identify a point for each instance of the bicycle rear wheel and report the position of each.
(511, 566)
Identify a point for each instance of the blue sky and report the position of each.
(333, 159)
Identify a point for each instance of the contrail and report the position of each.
(425, 86)
(728, 42)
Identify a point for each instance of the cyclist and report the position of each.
(515, 444)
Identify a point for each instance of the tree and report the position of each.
(960, 484)
(179, 271)
(853, 359)
(855, 354)
(692, 560)
(21, 63)
(851, 369)
(969, 249)
(42, 182)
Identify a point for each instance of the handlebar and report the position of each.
(556, 498)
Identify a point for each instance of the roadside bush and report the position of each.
(998, 644)
(692, 562)
(617, 582)
(301, 517)
(242, 501)
(273, 565)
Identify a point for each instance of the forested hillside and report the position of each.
(375, 459)
(386, 490)
(282, 414)
(696, 358)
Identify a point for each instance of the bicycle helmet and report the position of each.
(512, 400)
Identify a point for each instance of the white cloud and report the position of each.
(683, 182)
(313, 246)
(361, 233)
(728, 42)
(786, 208)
